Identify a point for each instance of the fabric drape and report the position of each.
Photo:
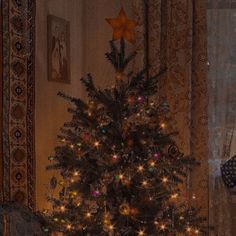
(172, 35)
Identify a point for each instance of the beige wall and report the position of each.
(51, 109)
(89, 41)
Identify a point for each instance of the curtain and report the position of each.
(222, 107)
(172, 35)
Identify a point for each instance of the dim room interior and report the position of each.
(118, 117)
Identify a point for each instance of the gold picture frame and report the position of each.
(58, 49)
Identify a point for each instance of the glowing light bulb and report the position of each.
(72, 146)
(196, 231)
(163, 125)
(72, 180)
(140, 168)
(111, 227)
(76, 173)
(194, 197)
(163, 226)
(68, 226)
(189, 229)
(174, 196)
(165, 180)
(121, 176)
(152, 163)
(62, 208)
(141, 232)
(88, 214)
(144, 183)
(96, 144)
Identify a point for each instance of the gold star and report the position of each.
(122, 27)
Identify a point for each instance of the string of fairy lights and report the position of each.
(123, 178)
(121, 171)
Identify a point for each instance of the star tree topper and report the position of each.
(123, 27)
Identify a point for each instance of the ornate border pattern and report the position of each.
(18, 101)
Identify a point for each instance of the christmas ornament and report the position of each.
(124, 209)
(173, 151)
(118, 174)
(53, 182)
(122, 27)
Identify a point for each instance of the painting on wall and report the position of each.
(58, 49)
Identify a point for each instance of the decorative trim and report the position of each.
(18, 101)
(1, 104)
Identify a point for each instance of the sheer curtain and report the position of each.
(221, 16)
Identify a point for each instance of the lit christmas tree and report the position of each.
(121, 169)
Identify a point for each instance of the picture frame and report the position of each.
(58, 49)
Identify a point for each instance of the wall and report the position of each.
(51, 109)
(89, 41)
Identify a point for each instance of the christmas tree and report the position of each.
(121, 168)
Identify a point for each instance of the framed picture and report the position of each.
(58, 49)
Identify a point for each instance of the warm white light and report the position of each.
(164, 180)
(152, 163)
(62, 208)
(88, 215)
(144, 183)
(141, 233)
(68, 226)
(174, 196)
(96, 144)
(121, 176)
(163, 226)
(163, 125)
(140, 168)
(189, 229)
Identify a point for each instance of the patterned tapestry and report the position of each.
(18, 101)
(172, 35)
